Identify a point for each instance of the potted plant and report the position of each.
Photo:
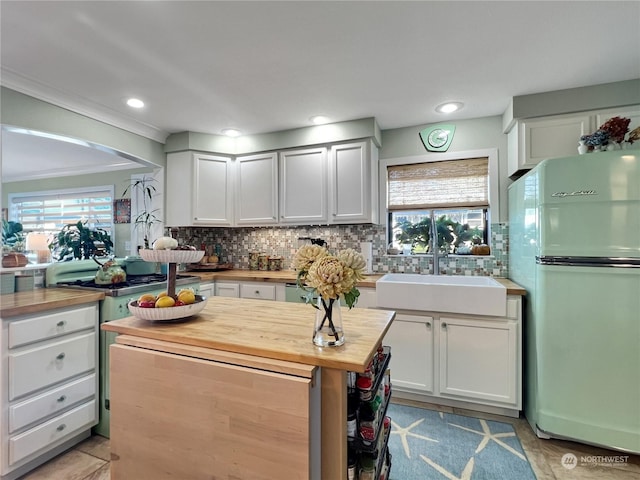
(78, 241)
(145, 219)
(13, 244)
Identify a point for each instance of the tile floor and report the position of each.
(90, 459)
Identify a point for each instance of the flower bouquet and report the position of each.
(328, 277)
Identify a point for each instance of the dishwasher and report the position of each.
(294, 294)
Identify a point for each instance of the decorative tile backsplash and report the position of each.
(284, 241)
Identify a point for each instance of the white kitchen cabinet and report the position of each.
(466, 361)
(258, 291)
(353, 183)
(227, 289)
(367, 298)
(532, 140)
(303, 186)
(207, 289)
(49, 367)
(256, 192)
(411, 340)
(478, 359)
(199, 190)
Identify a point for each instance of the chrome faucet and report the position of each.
(435, 248)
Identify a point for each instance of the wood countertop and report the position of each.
(43, 299)
(276, 330)
(289, 276)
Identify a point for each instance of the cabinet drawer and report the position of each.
(227, 290)
(262, 292)
(49, 433)
(35, 368)
(51, 402)
(51, 325)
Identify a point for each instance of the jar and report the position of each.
(253, 260)
(263, 262)
(364, 385)
(275, 263)
(352, 465)
(352, 422)
(367, 424)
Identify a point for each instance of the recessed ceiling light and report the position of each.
(135, 103)
(319, 120)
(231, 132)
(449, 107)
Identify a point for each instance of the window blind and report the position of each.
(49, 211)
(444, 184)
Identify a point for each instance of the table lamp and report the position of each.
(38, 242)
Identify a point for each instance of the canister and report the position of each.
(275, 263)
(253, 260)
(263, 261)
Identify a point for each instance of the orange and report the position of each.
(147, 297)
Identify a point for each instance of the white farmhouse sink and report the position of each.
(442, 293)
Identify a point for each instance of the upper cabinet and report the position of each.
(353, 183)
(322, 185)
(532, 140)
(256, 198)
(303, 186)
(199, 190)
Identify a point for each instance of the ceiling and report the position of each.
(265, 66)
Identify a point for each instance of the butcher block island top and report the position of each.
(276, 330)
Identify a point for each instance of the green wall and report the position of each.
(21, 110)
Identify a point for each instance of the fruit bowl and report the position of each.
(172, 256)
(168, 314)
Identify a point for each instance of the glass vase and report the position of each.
(327, 329)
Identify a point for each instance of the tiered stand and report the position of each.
(172, 258)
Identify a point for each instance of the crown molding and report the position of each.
(78, 104)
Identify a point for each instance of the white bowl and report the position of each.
(172, 256)
(168, 314)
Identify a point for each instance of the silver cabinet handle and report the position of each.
(61, 427)
(257, 292)
(429, 324)
(61, 398)
(444, 325)
(61, 323)
(60, 356)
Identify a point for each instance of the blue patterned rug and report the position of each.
(426, 444)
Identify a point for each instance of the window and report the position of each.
(49, 211)
(455, 193)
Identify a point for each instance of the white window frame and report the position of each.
(66, 191)
(494, 177)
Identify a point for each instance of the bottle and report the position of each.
(367, 424)
(352, 418)
(352, 465)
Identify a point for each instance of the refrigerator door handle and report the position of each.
(620, 262)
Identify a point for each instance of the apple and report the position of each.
(179, 303)
(147, 304)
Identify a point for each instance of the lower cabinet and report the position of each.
(219, 419)
(49, 371)
(449, 358)
(489, 347)
(411, 339)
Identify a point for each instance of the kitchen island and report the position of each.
(237, 392)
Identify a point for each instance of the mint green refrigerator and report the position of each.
(574, 244)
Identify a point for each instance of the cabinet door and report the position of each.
(303, 186)
(257, 189)
(549, 137)
(350, 184)
(207, 289)
(227, 290)
(411, 340)
(213, 192)
(180, 179)
(478, 359)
